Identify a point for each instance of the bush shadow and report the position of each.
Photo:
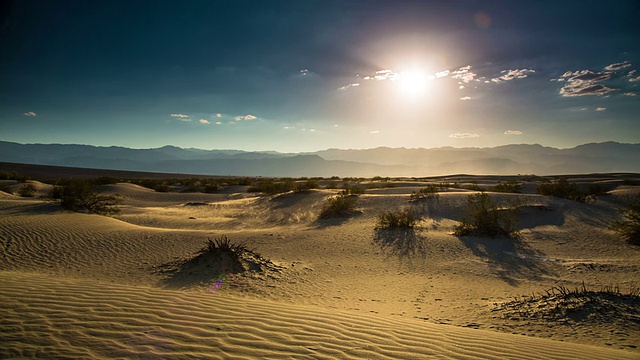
(509, 258)
(403, 243)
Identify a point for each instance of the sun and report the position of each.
(414, 82)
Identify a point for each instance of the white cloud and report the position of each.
(509, 75)
(348, 86)
(618, 66)
(245, 117)
(463, 136)
(218, 115)
(584, 83)
(601, 108)
(630, 94)
(461, 87)
(181, 117)
(304, 72)
(204, 121)
(29, 113)
(375, 132)
(465, 98)
(218, 123)
(634, 79)
(440, 74)
(513, 132)
(463, 74)
(288, 127)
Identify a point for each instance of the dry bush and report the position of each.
(629, 227)
(83, 196)
(340, 205)
(399, 219)
(484, 218)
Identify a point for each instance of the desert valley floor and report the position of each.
(76, 285)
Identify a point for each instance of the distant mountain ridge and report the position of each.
(382, 161)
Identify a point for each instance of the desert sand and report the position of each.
(76, 285)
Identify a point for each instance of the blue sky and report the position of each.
(297, 76)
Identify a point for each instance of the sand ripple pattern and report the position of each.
(47, 317)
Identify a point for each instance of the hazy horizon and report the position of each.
(305, 76)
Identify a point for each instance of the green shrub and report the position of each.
(629, 227)
(340, 205)
(83, 196)
(398, 219)
(510, 186)
(484, 218)
(27, 190)
(561, 188)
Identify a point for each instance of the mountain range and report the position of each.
(382, 161)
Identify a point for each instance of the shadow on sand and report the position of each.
(403, 243)
(509, 258)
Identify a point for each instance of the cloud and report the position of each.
(218, 123)
(245, 117)
(204, 121)
(630, 94)
(383, 75)
(348, 86)
(509, 75)
(618, 66)
(465, 98)
(218, 115)
(463, 136)
(601, 108)
(181, 117)
(584, 83)
(29, 113)
(440, 74)
(634, 79)
(304, 72)
(513, 132)
(288, 127)
(464, 74)
(375, 132)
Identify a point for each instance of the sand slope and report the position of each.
(88, 286)
(49, 317)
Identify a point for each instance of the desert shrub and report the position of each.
(399, 219)
(428, 192)
(27, 190)
(629, 227)
(83, 196)
(348, 190)
(306, 186)
(484, 218)
(596, 190)
(510, 186)
(272, 187)
(561, 188)
(339, 205)
(223, 244)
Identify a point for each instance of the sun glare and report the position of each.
(413, 82)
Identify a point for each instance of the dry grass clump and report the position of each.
(27, 190)
(510, 186)
(340, 205)
(397, 219)
(485, 218)
(579, 305)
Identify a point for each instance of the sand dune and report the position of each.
(88, 286)
(49, 317)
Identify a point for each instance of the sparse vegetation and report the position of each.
(510, 186)
(399, 219)
(349, 190)
(223, 245)
(272, 187)
(485, 218)
(27, 190)
(306, 185)
(428, 192)
(629, 227)
(339, 206)
(83, 196)
(561, 188)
